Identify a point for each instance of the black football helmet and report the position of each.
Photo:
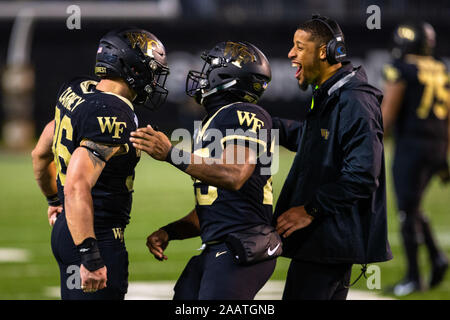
(413, 38)
(139, 58)
(239, 68)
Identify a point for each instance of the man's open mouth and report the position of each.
(299, 68)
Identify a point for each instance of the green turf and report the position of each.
(162, 195)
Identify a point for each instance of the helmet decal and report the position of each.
(239, 52)
(407, 33)
(257, 86)
(416, 37)
(142, 40)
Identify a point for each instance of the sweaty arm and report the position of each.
(229, 173)
(85, 166)
(43, 164)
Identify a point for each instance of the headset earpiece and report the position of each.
(336, 50)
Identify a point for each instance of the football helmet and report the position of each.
(239, 68)
(414, 38)
(139, 58)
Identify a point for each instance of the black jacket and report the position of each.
(338, 173)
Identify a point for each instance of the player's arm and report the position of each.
(184, 228)
(448, 117)
(85, 166)
(229, 173)
(45, 171)
(392, 102)
(43, 165)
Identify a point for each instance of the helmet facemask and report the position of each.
(238, 68)
(152, 93)
(137, 57)
(197, 83)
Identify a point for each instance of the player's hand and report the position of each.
(294, 219)
(52, 213)
(157, 242)
(93, 281)
(155, 143)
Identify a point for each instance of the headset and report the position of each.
(336, 50)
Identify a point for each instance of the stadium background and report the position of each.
(186, 27)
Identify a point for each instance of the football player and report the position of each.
(84, 162)
(232, 196)
(415, 105)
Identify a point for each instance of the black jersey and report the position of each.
(424, 111)
(223, 211)
(82, 112)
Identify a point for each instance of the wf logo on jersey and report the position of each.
(250, 120)
(118, 234)
(113, 126)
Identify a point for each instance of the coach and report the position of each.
(332, 209)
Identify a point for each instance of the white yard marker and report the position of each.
(163, 290)
(14, 255)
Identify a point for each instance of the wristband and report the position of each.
(180, 156)
(171, 232)
(90, 254)
(53, 200)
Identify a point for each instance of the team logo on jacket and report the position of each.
(324, 133)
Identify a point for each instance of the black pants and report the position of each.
(414, 166)
(113, 251)
(213, 275)
(316, 281)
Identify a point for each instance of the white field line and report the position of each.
(14, 255)
(443, 238)
(163, 290)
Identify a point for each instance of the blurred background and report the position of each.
(41, 47)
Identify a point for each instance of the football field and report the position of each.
(162, 194)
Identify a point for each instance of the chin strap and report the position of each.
(217, 89)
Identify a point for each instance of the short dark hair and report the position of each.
(319, 31)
